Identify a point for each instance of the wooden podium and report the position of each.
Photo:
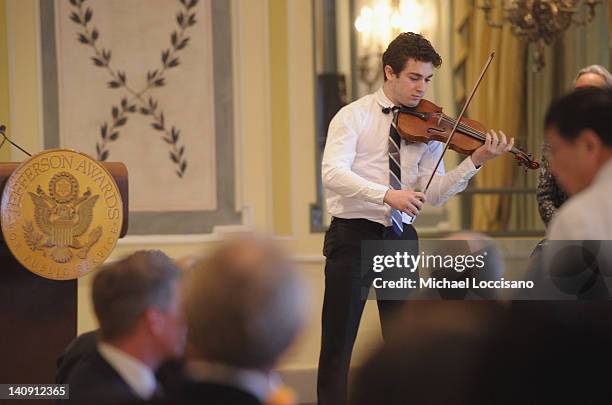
(38, 316)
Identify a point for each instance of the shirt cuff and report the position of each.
(376, 193)
(467, 167)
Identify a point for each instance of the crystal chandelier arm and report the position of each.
(591, 4)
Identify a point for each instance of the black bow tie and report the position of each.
(387, 110)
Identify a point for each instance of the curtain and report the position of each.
(514, 98)
(498, 104)
(576, 48)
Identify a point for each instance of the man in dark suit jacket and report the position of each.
(85, 347)
(94, 381)
(81, 347)
(244, 307)
(138, 303)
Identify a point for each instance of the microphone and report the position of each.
(6, 138)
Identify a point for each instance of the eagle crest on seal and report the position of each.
(63, 216)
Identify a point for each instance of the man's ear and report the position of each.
(389, 73)
(155, 320)
(591, 141)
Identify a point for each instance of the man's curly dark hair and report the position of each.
(409, 45)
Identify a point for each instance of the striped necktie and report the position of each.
(395, 171)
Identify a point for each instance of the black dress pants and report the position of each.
(343, 303)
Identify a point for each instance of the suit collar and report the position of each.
(258, 383)
(135, 373)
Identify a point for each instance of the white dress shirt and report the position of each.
(355, 167)
(255, 382)
(588, 214)
(135, 373)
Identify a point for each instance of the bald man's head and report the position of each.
(245, 304)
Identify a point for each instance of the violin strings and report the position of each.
(467, 129)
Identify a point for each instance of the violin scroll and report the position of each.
(526, 159)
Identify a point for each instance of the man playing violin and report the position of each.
(371, 179)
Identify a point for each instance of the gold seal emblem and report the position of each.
(61, 214)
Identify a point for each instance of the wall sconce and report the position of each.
(378, 24)
(539, 21)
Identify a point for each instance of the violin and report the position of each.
(426, 122)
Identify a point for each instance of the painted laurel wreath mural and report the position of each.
(137, 101)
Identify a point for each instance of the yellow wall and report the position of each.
(5, 153)
(252, 111)
(23, 69)
(281, 186)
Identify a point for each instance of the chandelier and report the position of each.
(539, 21)
(378, 23)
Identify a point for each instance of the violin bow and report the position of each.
(458, 120)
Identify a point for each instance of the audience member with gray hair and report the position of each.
(549, 195)
(245, 305)
(138, 304)
(593, 76)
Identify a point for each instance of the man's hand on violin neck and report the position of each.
(494, 146)
(408, 201)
